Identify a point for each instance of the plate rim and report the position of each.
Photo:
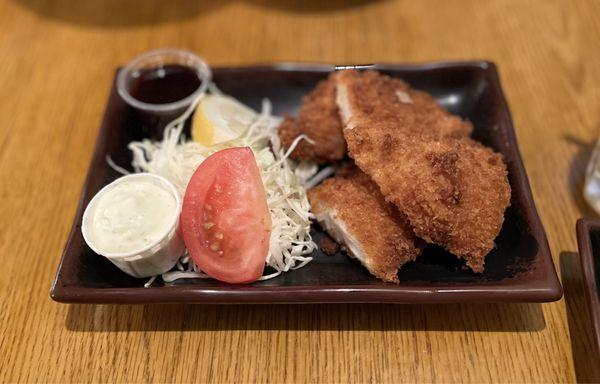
(545, 289)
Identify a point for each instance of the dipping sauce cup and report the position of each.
(134, 223)
(161, 84)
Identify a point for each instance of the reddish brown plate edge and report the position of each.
(542, 284)
(586, 254)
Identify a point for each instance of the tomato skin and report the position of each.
(225, 219)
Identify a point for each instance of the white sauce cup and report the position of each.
(153, 259)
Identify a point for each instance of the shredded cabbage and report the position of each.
(176, 159)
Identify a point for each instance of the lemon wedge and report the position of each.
(220, 118)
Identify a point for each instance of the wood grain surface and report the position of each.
(56, 65)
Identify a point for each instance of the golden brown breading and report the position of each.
(319, 120)
(354, 213)
(453, 190)
(391, 101)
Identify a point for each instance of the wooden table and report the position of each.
(56, 65)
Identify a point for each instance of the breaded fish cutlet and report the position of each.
(353, 211)
(319, 120)
(452, 190)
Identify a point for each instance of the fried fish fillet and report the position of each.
(353, 211)
(453, 190)
(319, 120)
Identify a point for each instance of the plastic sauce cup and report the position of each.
(153, 259)
(161, 84)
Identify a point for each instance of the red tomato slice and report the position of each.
(225, 219)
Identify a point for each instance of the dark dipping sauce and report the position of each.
(164, 85)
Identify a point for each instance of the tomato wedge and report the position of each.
(225, 219)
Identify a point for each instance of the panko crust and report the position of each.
(385, 238)
(319, 120)
(453, 190)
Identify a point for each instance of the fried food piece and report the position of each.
(328, 246)
(453, 190)
(353, 211)
(319, 120)
(393, 103)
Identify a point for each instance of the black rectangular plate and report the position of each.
(520, 269)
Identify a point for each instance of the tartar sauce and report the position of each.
(131, 216)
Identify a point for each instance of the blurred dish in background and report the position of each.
(591, 186)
